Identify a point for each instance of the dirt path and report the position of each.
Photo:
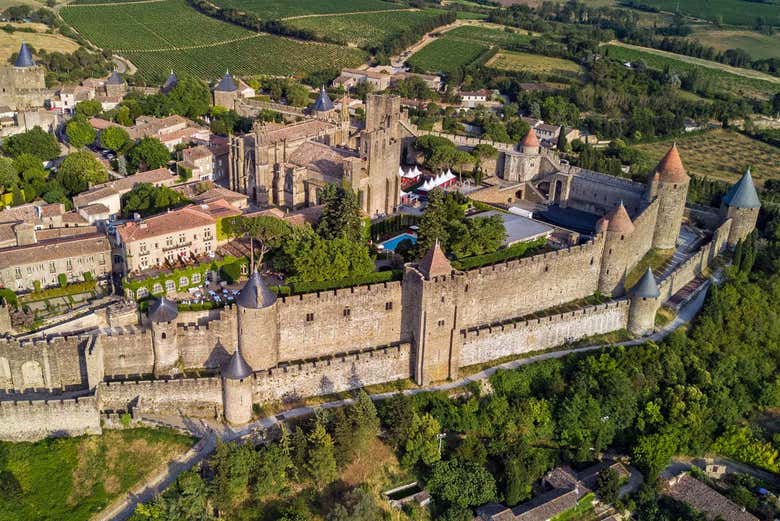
(737, 71)
(322, 15)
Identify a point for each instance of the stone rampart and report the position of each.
(189, 396)
(490, 342)
(207, 340)
(599, 193)
(52, 364)
(329, 322)
(35, 420)
(510, 289)
(639, 242)
(127, 352)
(334, 374)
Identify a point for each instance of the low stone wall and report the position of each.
(339, 373)
(35, 420)
(491, 342)
(190, 396)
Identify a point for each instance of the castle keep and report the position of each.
(426, 327)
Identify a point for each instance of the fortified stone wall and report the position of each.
(206, 339)
(599, 193)
(339, 373)
(56, 364)
(638, 243)
(191, 396)
(329, 322)
(490, 342)
(127, 354)
(512, 289)
(35, 420)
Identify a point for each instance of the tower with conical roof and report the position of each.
(115, 85)
(170, 82)
(25, 58)
(523, 164)
(162, 317)
(258, 322)
(669, 184)
(741, 204)
(226, 91)
(323, 103)
(23, 82)
(237, 389)
(616, 227)
(431, 292)
(645, 301)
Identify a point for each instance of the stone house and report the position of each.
(199, 162)
(109, 195)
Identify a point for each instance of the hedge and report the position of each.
(516, 251)
(376, 277)
(71, 289)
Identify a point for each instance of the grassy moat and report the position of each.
(72, 478)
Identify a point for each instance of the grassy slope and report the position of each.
(10, 42)
(722, 154)
(734, 12)
(759, 46)
(71, 478)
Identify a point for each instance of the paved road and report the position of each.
(209, 431)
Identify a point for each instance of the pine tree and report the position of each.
(321, 462)
(365, 419)
(343, 437)
(299, 451)
(341, 217)
(738, 254)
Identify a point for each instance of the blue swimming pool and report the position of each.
(392, 244)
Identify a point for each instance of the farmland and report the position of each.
(722, 154)
(365, 28)
(721, 78)
(446, 54)
(489, 36)
(160, 36)
(759, 46)
(533, 63)
(10, 41)
(731, 12)
(271, 9)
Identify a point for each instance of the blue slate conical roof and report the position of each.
(115, 78)
(743, 193)
(163, 310)
(255, 294)
(170, 82)
(226, 84)
(25, 58)
(646, 287)
(323, 103)
(236, 368)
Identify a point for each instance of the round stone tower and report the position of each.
(669, 183)
(258, 324)
(644, 305)
(162, 317)
(237, 389)
(530, 143)
(741, 205)
(616, 226)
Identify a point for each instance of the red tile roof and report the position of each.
(530, 139)
(670, 168)
(435, 263)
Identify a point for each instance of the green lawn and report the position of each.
(69, 479)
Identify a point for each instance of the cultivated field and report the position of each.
(446, 54)
(165, 35)
(271, 9)
(731, 12)
(759, 46)
(491, 36)
(533, 63)
(363, 29)
(72, 478)
(10, 42)
(722, 154)
(723, 78)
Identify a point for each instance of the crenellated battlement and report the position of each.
(391, 351)
(535, 260)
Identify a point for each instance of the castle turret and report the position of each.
(226, 91)
(237, 389)
(431, 294)
(323, 103)
(170, 82)
(644, 305)
(669, 183)
(530, 143)
(741, 205)
(616, 226)
(258, 324)
(24, 58)
(115, 85)
(162, 317)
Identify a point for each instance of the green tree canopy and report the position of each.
(79, 170)
(320, 461)
(190, 98)
(114, 138)
(37, 142)
(341, 217)
(80, 132)
(89, 108)
(148, 199)
(461, 484)
(149, 153)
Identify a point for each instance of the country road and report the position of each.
(123, 508)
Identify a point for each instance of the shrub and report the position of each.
(88, 276)
(62, 280)
(231, 272)
(8, 296)
(36, 286)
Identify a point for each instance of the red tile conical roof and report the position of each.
(618, 220)
(435, 263)
(670, 169)
(530, 139)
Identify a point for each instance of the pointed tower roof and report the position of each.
(170, 82)
(25, 58)
(530, 139)
(743, 193)
(236, 368)
(617, 220)
(255, 294)
(323, 103)
(435, 263)
(163, 310)
(226, 84)
(646, 287)
(670, 169)
(115, 78)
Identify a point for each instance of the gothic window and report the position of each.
(141, 293)
(441, 323)
(196, 278)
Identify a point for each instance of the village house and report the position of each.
(715, 506)
(181, 235)
(198, 162)
(171, 131)
(109, 92)
(470, 99)
(350, 78)
(109, 195)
